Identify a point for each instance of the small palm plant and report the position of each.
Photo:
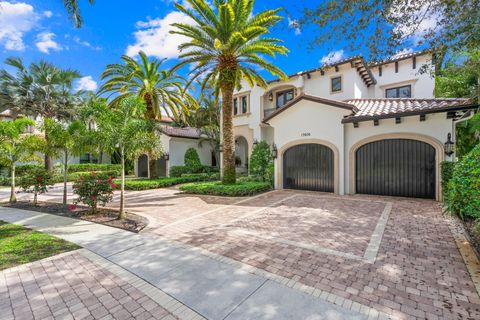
(226, 45)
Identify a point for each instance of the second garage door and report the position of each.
(309, 167)
(396, 167)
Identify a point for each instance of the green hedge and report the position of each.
(146, 184)
(464, 187)
(447, 168)
(241, 188)
(177, 171)
(89, 167)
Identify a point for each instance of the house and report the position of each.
(354, 127)
(175, 141)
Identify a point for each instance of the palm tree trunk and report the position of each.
(121, 214)
(65, 178)
(48, 159)
(150, 114)
(228, 163)
(13, 197)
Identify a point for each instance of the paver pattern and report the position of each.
(418, 272)
(72, 287)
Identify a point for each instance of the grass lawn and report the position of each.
(19, 245)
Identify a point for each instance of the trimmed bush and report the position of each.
(241, 188)
(89, 167)
(464, 187)
(93, 190)
(260, 161)
(36, 180)
(192, 161)
(177, 171)
(25, 169)
(146, 184)
(77, 175)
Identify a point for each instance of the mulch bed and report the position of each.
(106, 216)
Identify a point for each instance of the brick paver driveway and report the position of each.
(396, 255)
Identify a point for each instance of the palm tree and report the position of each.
(42, 90)
(226, 45)
(161, 90)
(74, 11)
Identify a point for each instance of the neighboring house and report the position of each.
(353, 127)
(175, 141)
(84, 158)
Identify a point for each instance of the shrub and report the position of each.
(146, 184)
(94, 189)
(177, 171)
(447, 168)
(464, 187)
(28, 169)
(192, 161)
(89, 167)
(103, 174)
(241, 188)
(260, 161)
(36, 180)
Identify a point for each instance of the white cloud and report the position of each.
(293, 24)
(15, 20)
(332, 57)
(47, 14)
(85, 44)
(86, 83)
(402, 52)
(45, 42)
(154, 39)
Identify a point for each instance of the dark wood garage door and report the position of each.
(396, 167)
(308, 167)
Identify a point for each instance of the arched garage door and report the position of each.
(309, 167)
(396, 167)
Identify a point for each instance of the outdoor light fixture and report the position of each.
(274, 151)
(270, 97)
(449, 146)
(255, 142)
(220, 148)
(166, 156)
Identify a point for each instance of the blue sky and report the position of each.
(34, 30)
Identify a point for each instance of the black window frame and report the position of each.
(331, 84)
(242, 99)
(235, 106)
(281, 93)
(397, 91)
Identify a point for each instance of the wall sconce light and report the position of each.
(255, 142)
(166, 156)
(270, 97)
(449, 145)
(274, 151)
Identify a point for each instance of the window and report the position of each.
(235, 106)
(88, 158)
(336, 84)
(244, 104)
(399, 92)
(284, 97)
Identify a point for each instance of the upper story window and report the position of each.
(399, 92)
(240, 104)
(283, 97)
(336, 84)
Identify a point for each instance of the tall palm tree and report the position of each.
(42, 89)
(161, 90)
(226, 45)
(74, 11)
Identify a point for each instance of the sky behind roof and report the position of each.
(40, 29)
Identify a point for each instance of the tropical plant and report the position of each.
(260, 161)
(124, 129)
(226, 45)
(66, 140)
(161, 90)
(94, 189)
(42, 90)
(192, 160)
(73, 11)
(37, 180)
(460, 78)
(17, 146)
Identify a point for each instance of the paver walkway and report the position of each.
(208, 285)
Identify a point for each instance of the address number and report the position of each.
(305, 134)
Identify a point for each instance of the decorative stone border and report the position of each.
(166, 301)
(466, 250)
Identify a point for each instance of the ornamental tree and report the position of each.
(36, 180)
(94, 189)
(260, 161)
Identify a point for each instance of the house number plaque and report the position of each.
(305, 134)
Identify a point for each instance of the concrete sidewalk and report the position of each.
(212, 288)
